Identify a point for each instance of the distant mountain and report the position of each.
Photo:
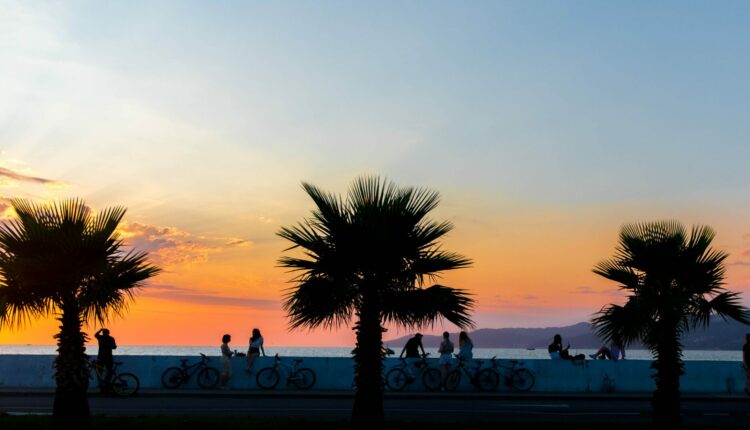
(721, 335)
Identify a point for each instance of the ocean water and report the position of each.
(505, 353)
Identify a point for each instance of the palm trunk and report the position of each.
(668, 366)
(368, 364)
(71, 406)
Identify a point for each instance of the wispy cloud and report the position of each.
(740, 263)
(588, 289)
(170, 246)
(238, 242)
(189, 295)
(8, 177)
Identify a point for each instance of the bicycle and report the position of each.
(516, 376)
(398, 377)
(484, 379)
(208, 377)
(121, 384)
(268, 377)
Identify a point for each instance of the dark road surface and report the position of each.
(432, 407)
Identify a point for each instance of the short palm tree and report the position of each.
(63, 260)
(368, 257)
(674, 280)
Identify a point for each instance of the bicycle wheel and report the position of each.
(172, 377)
(267, 378)
(395, 379)
(453, 380)
(487, 380)
(125, 384)
(304, 379)
(431, 379)
(208, 377)
(522, 380)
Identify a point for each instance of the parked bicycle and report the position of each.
(515, 376)
(484, 379)
(208, 377)
(121, 384)
(398, 377)
(268, 377)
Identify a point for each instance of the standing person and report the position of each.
(256, 348)
(226, 361)
(411, 349)
(104, 355)
(465, 346)
(445, 350)
(746, 362)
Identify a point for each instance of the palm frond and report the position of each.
(420, 307)
(319, 302)
(626, 323)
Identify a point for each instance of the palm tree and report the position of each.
(368, 258)
(63, 260)
(674, 284)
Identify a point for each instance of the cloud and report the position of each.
(238, 242)
(606, 291)
(189, 295)
(20, 177)
(170, 246)
(740, 263)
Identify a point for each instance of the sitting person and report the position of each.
(614, 352)
(556, 351)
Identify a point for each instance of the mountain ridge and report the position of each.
(720, 335)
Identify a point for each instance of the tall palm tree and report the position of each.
(674, 283)
(63, 260)
(368, 257)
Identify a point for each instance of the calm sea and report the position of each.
(541, 353)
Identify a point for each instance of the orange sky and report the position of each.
(532, 267)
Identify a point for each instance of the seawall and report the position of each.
(335, 374)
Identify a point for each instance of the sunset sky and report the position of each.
(545, 125)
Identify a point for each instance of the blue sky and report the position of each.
(530, 117)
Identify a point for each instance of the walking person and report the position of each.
(226, 362)
(256, 348)
(104, 355)
(446, 351)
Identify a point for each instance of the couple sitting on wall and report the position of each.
(557, 352)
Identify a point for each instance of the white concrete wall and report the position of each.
(35, 371)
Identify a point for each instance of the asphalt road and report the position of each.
(431, 407)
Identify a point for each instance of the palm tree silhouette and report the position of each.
(61, 259)
(369, 257)
(674, 281)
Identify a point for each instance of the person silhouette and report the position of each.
(446, 352)
(411, 349)
(104, 355)
(226, 361)
(746, 362)
(465, 347)
(255, 349)
(556, 351)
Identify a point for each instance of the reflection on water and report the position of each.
(541, 353)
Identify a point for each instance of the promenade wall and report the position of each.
(335, 374)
